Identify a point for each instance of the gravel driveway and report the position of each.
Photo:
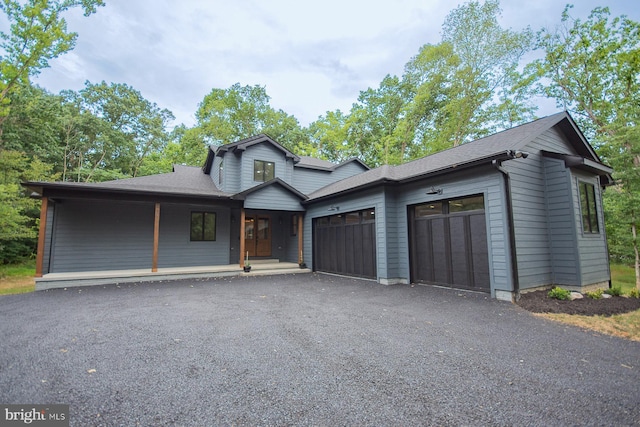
(307, 350)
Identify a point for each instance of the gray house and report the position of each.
(515, 211)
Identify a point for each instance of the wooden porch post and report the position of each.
(42, 232)
(300, 238)
(156, 238)
(242, 249)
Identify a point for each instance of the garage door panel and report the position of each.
(346, 248)
(449, 246)
(440, 251)
(423, 251)
(459, 246)
(479, 251)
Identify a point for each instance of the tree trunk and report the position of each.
(635, 249)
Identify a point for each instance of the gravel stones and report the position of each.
(307, 350)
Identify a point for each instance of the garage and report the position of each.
(449, 243)
(345, 243)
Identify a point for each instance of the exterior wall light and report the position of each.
(434, 190)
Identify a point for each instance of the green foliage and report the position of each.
(38, 33)
(614, 291)
(591, 67)
(634, 293)
(228, 115)
(463, 88)
(559, 293)
(597, 294)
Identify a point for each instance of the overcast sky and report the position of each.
(312, 57)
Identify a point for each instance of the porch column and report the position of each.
(242, 248)
(300, 238)
(156, 238)
(42, 232)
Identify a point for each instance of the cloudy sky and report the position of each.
(312, 57)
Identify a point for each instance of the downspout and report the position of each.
(510, 223)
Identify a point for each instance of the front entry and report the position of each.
(257, 236)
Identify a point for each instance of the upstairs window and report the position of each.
(588, 207)
(221, 172)
(203, 226)
(263, 171)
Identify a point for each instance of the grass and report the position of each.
(17, 278)
(625, 325)
(623, 276)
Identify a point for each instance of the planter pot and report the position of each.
(247, 268)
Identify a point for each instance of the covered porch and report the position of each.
(91, 278)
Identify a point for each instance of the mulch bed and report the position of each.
(539, 302)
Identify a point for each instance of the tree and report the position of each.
(592, 68)
(38, 34)
(460, 89)
(228, 115)
(116, 128)
(475, 69)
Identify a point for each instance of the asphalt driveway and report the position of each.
(307, 350)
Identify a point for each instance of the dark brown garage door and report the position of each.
(449, 243)
(346, 244)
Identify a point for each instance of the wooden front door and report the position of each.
(257, 236)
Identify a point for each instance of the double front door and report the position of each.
(257, 235)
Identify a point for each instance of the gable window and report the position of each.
(263, 171)
(203, 226)
(588, 207)
(221, 172)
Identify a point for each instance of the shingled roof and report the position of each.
(499, 145)
(183, 181)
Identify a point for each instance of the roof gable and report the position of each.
(242, 145)
(274, 182)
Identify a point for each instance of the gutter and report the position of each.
(497, 163)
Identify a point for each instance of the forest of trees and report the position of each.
(472, 83)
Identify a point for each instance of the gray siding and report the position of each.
(102, 235)
(592, 248)
(486, 181)
(231, 182)
(291, 249)
(562, 230)
(273, 197)
(394, 234)
(268, 153)
(550, 244)
(308, 180)
(528, 189)
(175, 248)
(215, 171)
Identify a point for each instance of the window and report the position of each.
(336, 220)
(353, 218)
(221, 172)
(588, 207)
(466, 204)
(203, 226)
(263, 171)
(434, 208)
(294, 225)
